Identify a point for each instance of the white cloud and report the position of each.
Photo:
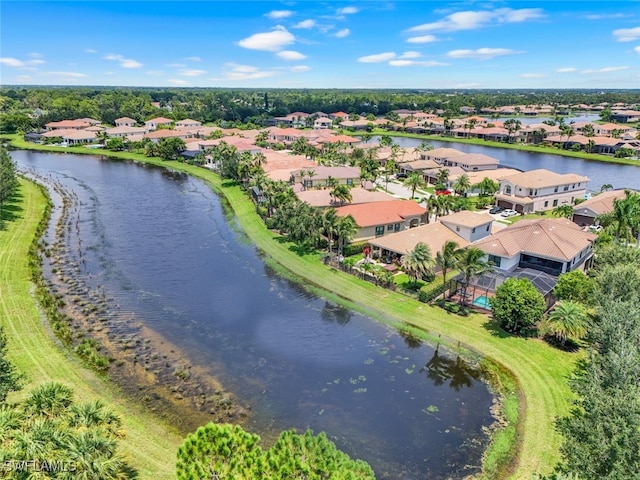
(533, 75)
(176, 65)
(178, 81)
(415, 63)
(309, 23)
(277, 14)
(11, 62)
(191, 73)
(377, 58)
(124, 62)
(246, 72)
(471, 20)
(637, 49)
(67, 74)
(347, 11)
(627, 34)
(482, 53)
(300, 68)
(23, 64)
(90, 50)
(268, 41)
(566, 70)
(422, 39)
(193, 59)
(291, 55)
(342, 33)
(410, 54)
(606, 69)
(155, 73)
(606, 16)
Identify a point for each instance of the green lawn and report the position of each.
(150, 444)
(539, 370)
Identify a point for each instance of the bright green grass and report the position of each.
(150, 444)
(538, 370)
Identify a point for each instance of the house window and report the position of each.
(349, 181)
(379, 230)
(473, 230)
(495, 260)
(531, 192)
(390, 227)
(396, 227)
(488, 227)
(566, 187)
(555, 202)
(507, 189)
(555, 190)
(546, 203)
(457, 228)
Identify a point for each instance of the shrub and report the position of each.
(518, 305)
(428, 292)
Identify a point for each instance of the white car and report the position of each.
(595, 228)
(508, 213)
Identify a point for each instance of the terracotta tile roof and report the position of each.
(322, 172)
(125, 120)
(435, 235)
(476, 177)
(167, 134)
(467, 218)
(159, 120)
(601, 203)
(285, 161)
(381, 213)
(541, 178)
(443, 152)
(322, 198)
(126, 130)
(68, 124)
(556, 238)
(474, 159)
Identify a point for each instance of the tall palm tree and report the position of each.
(565, 211)
(471, 264)
(442, 177)
(447, 259)
(330, 226)
(413, 182)
(442, 205)
(346, 229)
(462, 185)
(418, 262)
(568, 320)
(342, 193)
(488, 186)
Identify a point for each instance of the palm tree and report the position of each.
(346, 229)
(447, 259)
(568, 320)
(605, 187)
(331, 182)
(565, 211)
(471, 264)
(390, 168)
(442, 205)
(330, 226)
(442, 178)
(342, 193)
(462, 185)
(418, 262)
(488, 186)
(413, 182)
(588, 130)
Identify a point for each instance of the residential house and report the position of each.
(550, 245)
(472, 162)
(154, 123)
(540, 190)
(318, 176)
(586, 212)
(126, 131)
(383, 218)
(125, 122)
(625, 116)
(188, 123)
(72, 136)
(322, 123)
(78, 124)
(323, 198)
(469, 225)
(439, 155)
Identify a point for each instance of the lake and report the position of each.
(166, 255)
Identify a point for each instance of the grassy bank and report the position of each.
(150, 445)
(511, 146)
(538, 370)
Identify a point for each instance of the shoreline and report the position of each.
(542, 390)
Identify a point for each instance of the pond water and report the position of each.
(599, 173)
(162, 248)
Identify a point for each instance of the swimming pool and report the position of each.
(482, 302)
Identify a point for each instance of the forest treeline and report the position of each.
(23, 108)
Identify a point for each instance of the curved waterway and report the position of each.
(599, 173)
(160, 248)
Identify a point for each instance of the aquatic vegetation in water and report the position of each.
(360, 390)
(369, 361)
(409, 371)
(431, 409)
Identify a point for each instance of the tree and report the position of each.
(10, 379)
(8, 178)
(413, 182)
(342, 193)
(330, 226)
(588, 130)
(390, 169)
(472, 264)
(346, 229)
(605, 187)
(517, 305)
(513, 126)
(487, 186)
(565, 211)
(447, 259)
(170, 148)
(418, 262)
(567, 321)
(462, 185)
(442, 177)
(229, 452)
(575, 286)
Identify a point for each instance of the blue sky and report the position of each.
(322, 44)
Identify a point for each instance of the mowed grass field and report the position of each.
(150, 445)
(540, 370)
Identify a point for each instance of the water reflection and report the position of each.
(441, 368)
(335, 313)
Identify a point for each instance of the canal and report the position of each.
(166, 256)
